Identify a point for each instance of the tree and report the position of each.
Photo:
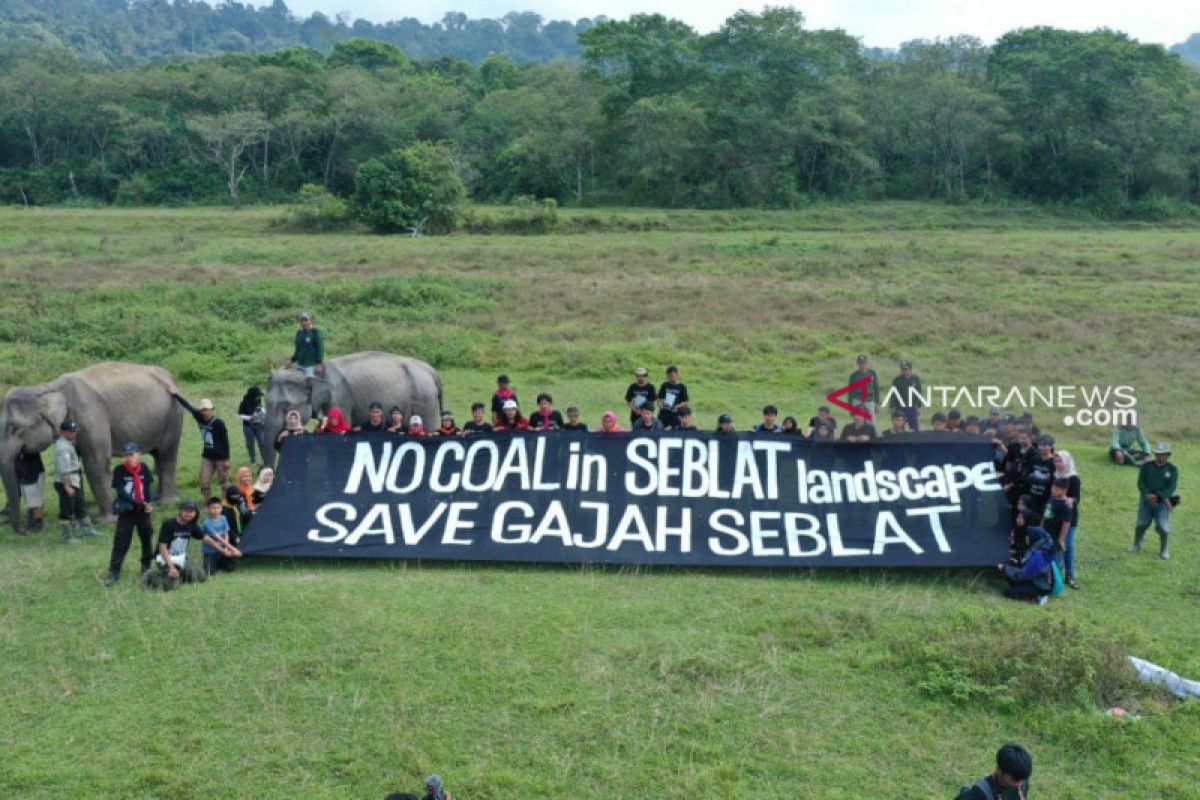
(226, 138)
(413, 189)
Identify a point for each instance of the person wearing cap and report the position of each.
(31, 478)
(477, 424)
(171, 563)
(68, 485)
(254, 430)
(1129, 445)
(646, 421)
(608, 423)
(856, 398)
(416, 427)
(573, 423)
(1157, 483)
(905, 396)
(938, 420)
(504, 392)
(448, 427)
(133, 483)
(684, 413)
(1041, 474)
(375, 422)
(640, 393)
(546, 418)
(308, 356)
(510, 418)
(671, 395)
(214, 458)
(725, 424)
(768, 425)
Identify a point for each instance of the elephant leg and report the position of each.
(164, 467)
(96, 455)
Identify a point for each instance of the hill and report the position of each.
(129, 32)
(1189, 49)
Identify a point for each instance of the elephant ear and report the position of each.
(53, 407)
(319, 395)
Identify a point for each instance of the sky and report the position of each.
(879, 23)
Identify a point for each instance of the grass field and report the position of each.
(328, 679)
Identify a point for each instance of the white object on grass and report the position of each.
(1153, 673)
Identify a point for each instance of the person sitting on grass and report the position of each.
(1129, 445)
(477, 424)
(790, 426)
(608, 423)
(504, 392)
(938, 421)
(768, 425)
(546, 418)
(266, 477)
(1018, 535)
(859, 431)
(646, 421)
(671, 395)
(171, 567)
(511, 419)
(219, 553)
(683, 415)
(1010, 781)
(375, 422)
(447, 428)
(899, 425)
(573, 423)
(334, 423)
(1033, 579)
(824, 417)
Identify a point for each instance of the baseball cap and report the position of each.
(205, 404)
(68, 427)
(640, 371)
(1047, 441)
(190, 505)
(508, 404)
(129, 448)
(862, 359)
(725, 419)
(905, 365)
(414, 420)
(1162, 448)
(502, 379)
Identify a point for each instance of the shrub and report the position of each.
(412, 189)
(317, 211)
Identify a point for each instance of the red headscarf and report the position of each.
(335, 422)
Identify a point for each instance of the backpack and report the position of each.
(983, 784)
(1057, 589)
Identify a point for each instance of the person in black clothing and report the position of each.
(215, 456)
(859, 431)
(938, 421)
(375, 422)
(646, 421)
(546, 418)
(573, 423)
(824, 432)
(1041, 474)
(954, 421)
(31, 477)
(725, 424)
(671, 395)
(899, 425)
(640, 393)
(504, 393)
(174, 535)
(1018, 535)
(252, 414)
(684, 413)
(133, 483)
(477, 424)
(237, 513)
(1017, 462)
(790, 426)
(396, 420)
(824, 417)
(855, 398)
(1010, 781)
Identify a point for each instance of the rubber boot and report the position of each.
(111, 579)
(36, 525)
(1163, 551)
(67, 536)
(88, 528)
(1138, 535)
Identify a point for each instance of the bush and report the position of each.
(414, 189)
(317, 211)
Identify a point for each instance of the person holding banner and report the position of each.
(684, 413)
(293, 426)
(477, 424)
(396, 421)
(447, 428)
(790, 426)
(769, 425)
(608, 423)
(647, 422)
(334, 423)
(725, 423)
(546, 418)
(511, 419)
(573, 423)
(416, 427)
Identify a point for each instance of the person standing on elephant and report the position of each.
(215, 456)
(68, 469)
(133, 483)
(252, 414)
(31, 477)
(309, 353)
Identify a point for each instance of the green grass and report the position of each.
(332, 679)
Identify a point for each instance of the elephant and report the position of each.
(352, 382)
(113, 403)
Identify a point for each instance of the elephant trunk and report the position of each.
(12, 490)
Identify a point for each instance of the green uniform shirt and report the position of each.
(1162, 481)
(901, 385)
(66, 463)
(1125, 439)
(310, 348)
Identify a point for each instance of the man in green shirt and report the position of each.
(309, 355)
(1129, 445)
(1157, 482)
(905, 396)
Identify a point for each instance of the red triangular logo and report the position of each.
(859, 385)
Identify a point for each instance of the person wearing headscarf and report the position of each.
(335, 423)
(608, 423)
(266, 476)
(244, 483)
(435, 789)
(252, 414)
(1064, 468)
(292, 426)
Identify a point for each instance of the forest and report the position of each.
(763, 112)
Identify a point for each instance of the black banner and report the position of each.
(700, 499)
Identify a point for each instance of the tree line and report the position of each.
(762, 112)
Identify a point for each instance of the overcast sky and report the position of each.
(882, 23)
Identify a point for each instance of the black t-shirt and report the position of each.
(672, 395)
(1073, 493)
(641, 394)
(476, 427)
(1038, 480)
(538, 422)
(889, 434)
(29, 467)
(370, 427)
(815, 421)
(576, 426)
(867, 430)
(1057, 512)
(173, 530)
(1017, 464)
